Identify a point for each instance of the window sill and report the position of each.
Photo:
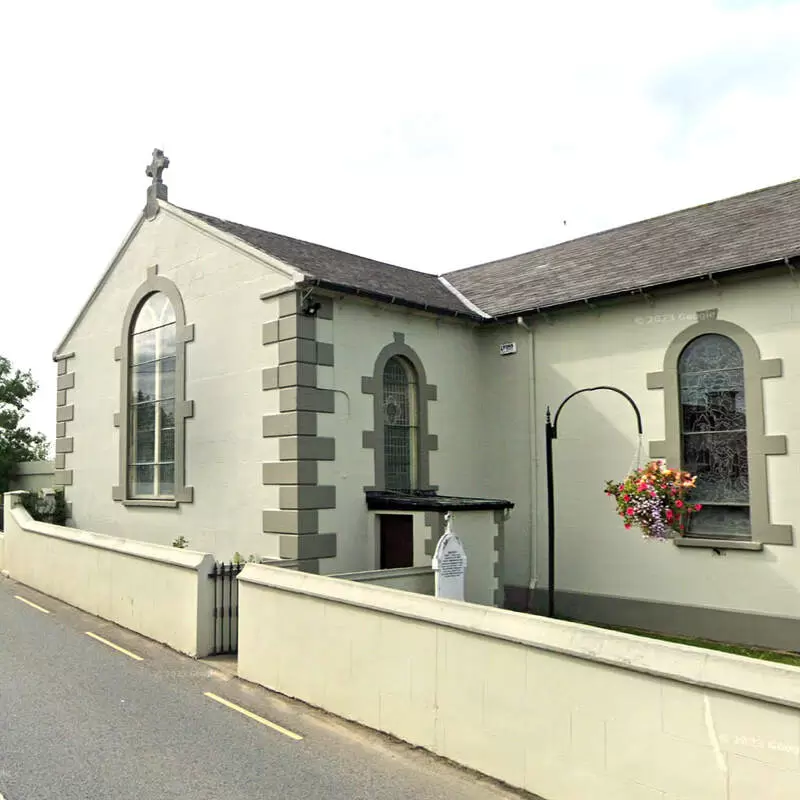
(151, 503)
(716, 544)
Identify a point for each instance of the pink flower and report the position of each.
(698, 507)
(679, 503)
(627, 526)
(670, 515)
(629, 512)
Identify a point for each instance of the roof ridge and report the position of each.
(463, 298)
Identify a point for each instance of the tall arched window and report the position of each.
(714, 433)
(714, 426)
(151, 401)
(400, 424)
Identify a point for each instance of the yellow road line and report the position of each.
(32, 605)
(115, 646)
(250, 714)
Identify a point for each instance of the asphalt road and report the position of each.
(80, 720)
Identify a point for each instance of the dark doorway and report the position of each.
(397, 541)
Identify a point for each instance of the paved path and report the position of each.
(80, 720)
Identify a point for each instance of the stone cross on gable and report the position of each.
(159, 163)
(157, 190)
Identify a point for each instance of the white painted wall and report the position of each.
(597, 438)
(161, 592)
(449, 351)
(220, 287)
(566, 711)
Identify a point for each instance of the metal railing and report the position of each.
(226, 606)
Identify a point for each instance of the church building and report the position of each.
(266, 396)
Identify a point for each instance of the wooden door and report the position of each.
(396, 541)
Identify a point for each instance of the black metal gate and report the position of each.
(226, 606)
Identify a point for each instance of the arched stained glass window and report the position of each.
(714, 433)
(401, 424)
(151, 400)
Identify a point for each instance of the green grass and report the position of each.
(760, 653)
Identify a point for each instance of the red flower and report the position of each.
(627, 525)
(670, 515)
(679, 503)
(630, 512)
(698, 507)
(626, 497)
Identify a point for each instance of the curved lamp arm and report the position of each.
(635, 408)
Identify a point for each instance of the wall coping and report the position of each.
(397, 572)
(35, 467)
(164, 554)
(765, 681)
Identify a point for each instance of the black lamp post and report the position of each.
(551, 433)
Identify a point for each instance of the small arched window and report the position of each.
(713, 433)
(400, 424)
(151, 400)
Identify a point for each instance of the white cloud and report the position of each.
(433, 134)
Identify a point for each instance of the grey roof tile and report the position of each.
(747, 230)
(345, 269)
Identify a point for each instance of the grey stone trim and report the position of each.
(66, 381)
(317, 448)
(61, 429)
(61, 397)
(759, 445)
(291, 350)
(269, 378)
(289, 472)
(306, 497)
(290, 521)
(760, 630)
(151, 503)
(65, 413)
(63, 357)
(288, 304)
(269, 332)
(62, 477)
(374, 440)
(288, 375)
(297, 423)
(184, 409)
(307, 398)
(297, 326)
(299, 448)
(716, 544)
(435, 521)
(324, 354)
(65, 445)
(60, 461)
(319, 545)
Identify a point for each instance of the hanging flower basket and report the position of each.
(656, 500)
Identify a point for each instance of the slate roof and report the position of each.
(347, 271)
(747, 230)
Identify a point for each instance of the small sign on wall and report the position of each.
(508, 348)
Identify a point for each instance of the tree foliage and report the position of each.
(17, 442)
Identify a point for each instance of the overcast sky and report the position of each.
(431, 134)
